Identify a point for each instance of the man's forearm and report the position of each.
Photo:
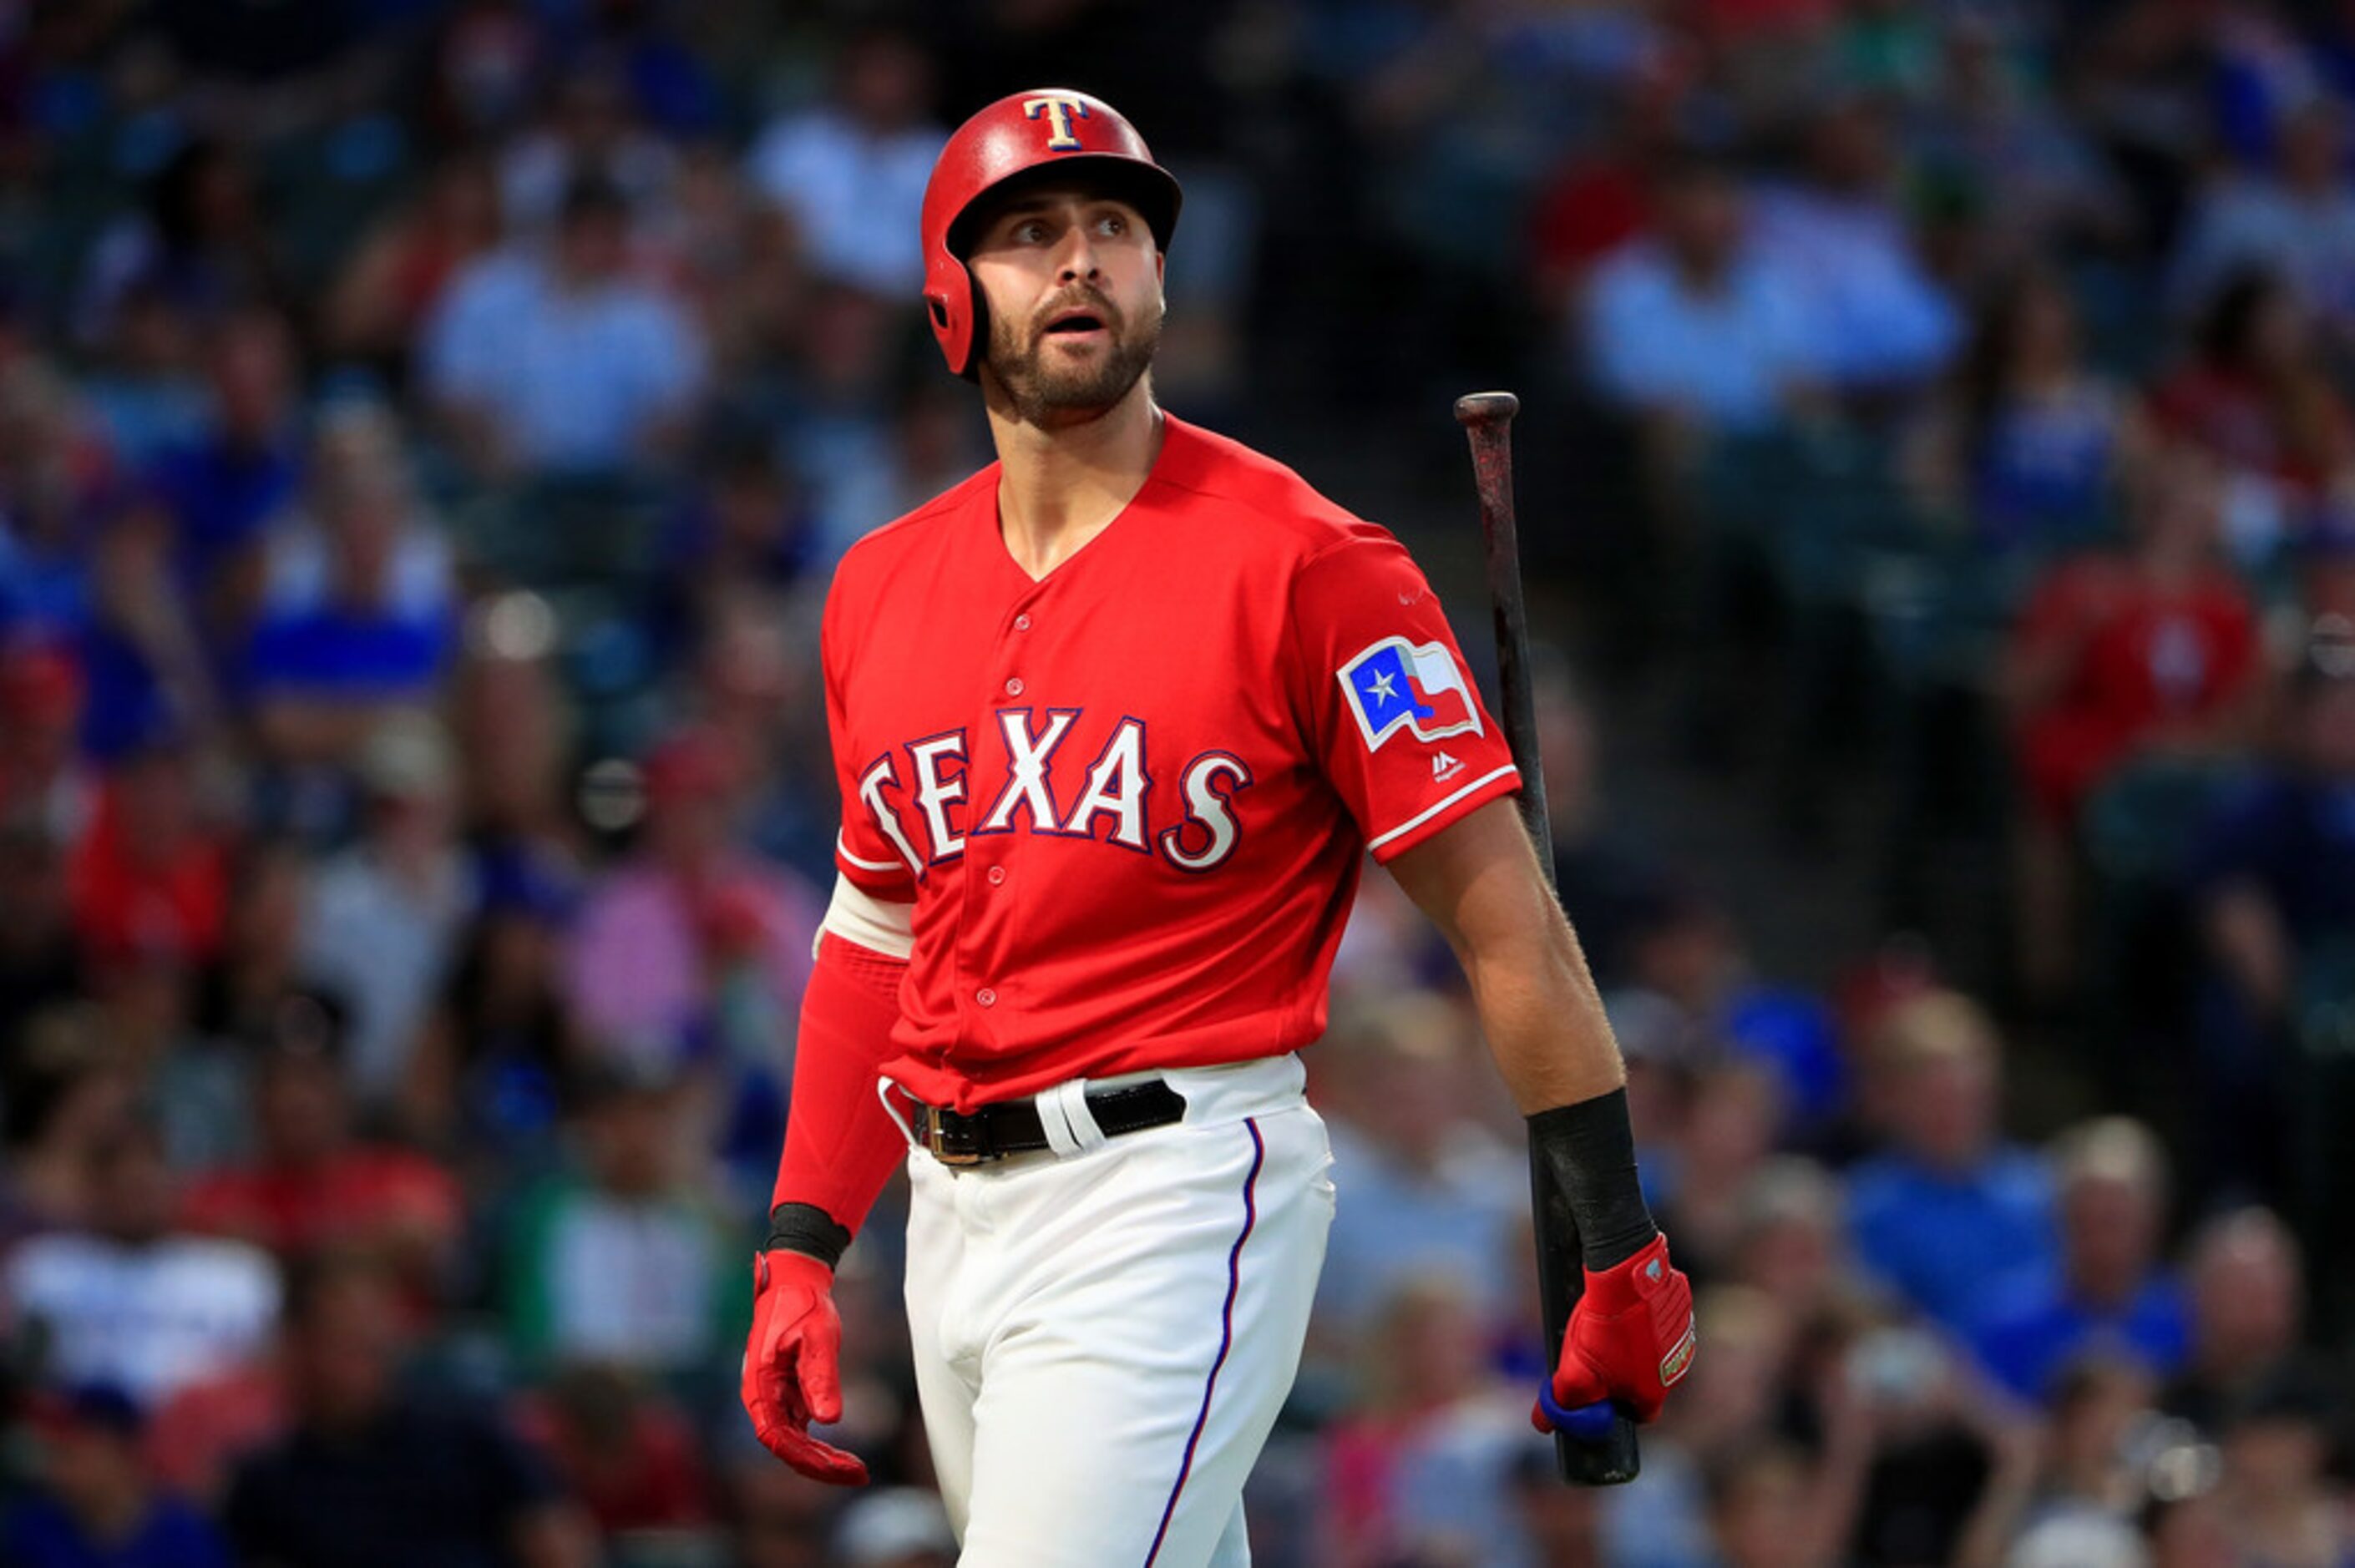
(1480, 882)
(1546, 1026)
(1543, 1020)
(1480, 885)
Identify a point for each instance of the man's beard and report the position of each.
(1042, 388)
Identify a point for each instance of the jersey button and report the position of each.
(1021, 623)
(1014, 688)
(997, 877)
(986, 997)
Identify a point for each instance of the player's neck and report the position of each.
(1058, 489)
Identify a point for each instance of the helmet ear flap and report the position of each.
(976, 337)
(950, 325)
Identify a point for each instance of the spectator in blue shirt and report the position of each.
(143, 652)
(360, 617)
(2028, 441)
(2107, 1294)
(1695, 326)
(2295, 219)
(1681, 947)
(1877, 321)
(96, 1508)
(850, 172)
(225, 488)
(1949, 1215)
(566, 364)
(55, 478)
(146, 392)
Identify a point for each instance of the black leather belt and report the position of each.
(1013, 1126)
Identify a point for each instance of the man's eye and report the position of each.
(1114, 224)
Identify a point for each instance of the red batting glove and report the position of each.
(792, 1375)
(1631, 1337)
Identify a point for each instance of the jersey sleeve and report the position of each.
(863, 852)
(1387, 700)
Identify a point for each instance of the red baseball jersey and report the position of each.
(1130, 801)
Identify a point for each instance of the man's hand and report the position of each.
(792, 1375)
(1631, 1339)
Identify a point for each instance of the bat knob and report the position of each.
(1474, 409)
(1580, 1424)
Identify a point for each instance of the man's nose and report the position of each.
(1077, 257)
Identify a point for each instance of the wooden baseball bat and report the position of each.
(1600, 1449)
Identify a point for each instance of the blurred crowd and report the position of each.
(427, 428)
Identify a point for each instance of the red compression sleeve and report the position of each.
(840, 1143)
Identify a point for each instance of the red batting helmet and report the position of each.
(1049, 127)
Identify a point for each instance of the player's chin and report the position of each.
(1096, 382)
(1078, 386)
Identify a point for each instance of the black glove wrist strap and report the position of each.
(807, 1229)
(1590, 1147)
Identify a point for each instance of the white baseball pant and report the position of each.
(1103, 1336)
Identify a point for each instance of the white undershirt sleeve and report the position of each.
(874, 924)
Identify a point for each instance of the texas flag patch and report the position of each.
(1395, 685)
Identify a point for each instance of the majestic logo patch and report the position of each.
(1396, 684)
(1679, 1360)
(1444, 766)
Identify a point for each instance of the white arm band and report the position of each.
(873, 924)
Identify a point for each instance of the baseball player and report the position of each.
(1116, 722)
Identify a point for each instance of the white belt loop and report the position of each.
(1072, 1109)
(883, 1087)
(1055, 1119)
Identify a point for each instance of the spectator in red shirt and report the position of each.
(151, 874)
(1604, 195)
(2152, 646)
(315, 1182)
(2153, 650)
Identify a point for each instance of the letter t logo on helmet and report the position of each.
(1059, 111)
(1013, 137)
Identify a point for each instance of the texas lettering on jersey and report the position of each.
(1108, 797)
(1128, 802)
